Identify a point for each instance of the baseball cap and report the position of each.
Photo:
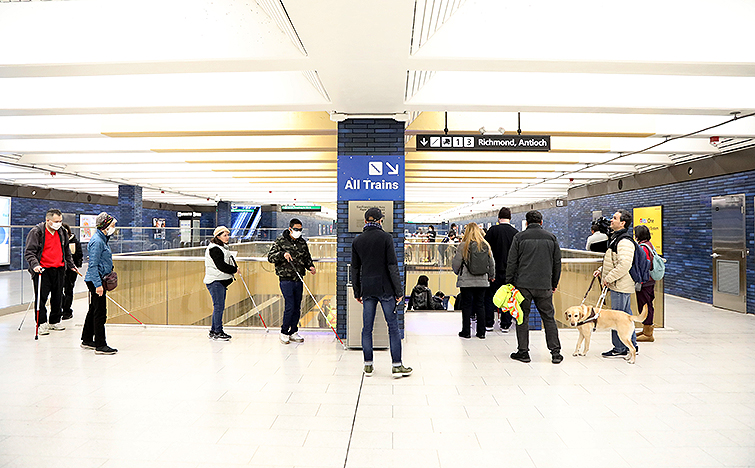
(373, 214)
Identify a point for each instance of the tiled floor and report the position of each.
(172, 398)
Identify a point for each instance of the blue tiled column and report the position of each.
(366, 137)
(223, 214)
(130, 215)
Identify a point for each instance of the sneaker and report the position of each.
(297, 338)
(401, 371)
(44, 329)
(88, 345)
(57, 326)
(67, 317)
(556, 358)
(223, 336)
(522, 356)
(482, 337)
(489, 328)
(285, 339)
(212, 335)
(615, 353)
(105, 350)
(368, 370)
(465, 335)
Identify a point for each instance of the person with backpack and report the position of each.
(421, 295)
(617, 263)
(647, 293)
(534, 268)
(473, 265)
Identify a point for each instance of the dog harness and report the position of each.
(593, 317)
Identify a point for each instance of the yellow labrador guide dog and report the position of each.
(586, 318)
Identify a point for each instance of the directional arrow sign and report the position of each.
(392, 170)
(424, 141)
(477, 142)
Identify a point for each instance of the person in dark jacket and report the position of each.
(421, 296)
(500, 238)
(220, 266)
(290, 254)
(69, 282)
(48, 256)
(100, 265)
(375, 278)
(534, 268)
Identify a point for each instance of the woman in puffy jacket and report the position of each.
(473, 286)
(220, 266)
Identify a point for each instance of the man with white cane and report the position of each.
(48, 255)
(290, 254)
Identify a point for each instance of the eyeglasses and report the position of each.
(297, 229)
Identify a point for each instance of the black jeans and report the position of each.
(472, 302)
(490, 308)
(69, 283)
(292, 293)
(52, 285)
(544, 302)
(94, 324)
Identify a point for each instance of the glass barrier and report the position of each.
(165, 286)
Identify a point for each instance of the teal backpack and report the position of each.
(657, 264)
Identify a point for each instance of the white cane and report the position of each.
(254, 303)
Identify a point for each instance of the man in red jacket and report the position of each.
(48, 254)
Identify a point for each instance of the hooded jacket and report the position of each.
(464, 278)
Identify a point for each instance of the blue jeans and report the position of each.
(292, 292)
(621, 301)
(388, 304)
(217, 292)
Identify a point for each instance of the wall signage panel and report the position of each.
(371, 177)
(652, 217)
(441, 142)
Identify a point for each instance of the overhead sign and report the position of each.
(440, 142)
(371, 177)
(301, 208)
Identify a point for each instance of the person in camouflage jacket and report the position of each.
(290, 254)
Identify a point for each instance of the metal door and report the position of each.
(729, 252)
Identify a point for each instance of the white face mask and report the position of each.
(295, 234)
(56, 226)
(109, 231)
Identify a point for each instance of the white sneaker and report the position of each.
(44, 329)
(285, 339)
(296, 337)
(57, 326)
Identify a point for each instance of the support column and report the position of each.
(372, 139)
(130, 215)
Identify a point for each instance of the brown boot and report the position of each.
(647, 334)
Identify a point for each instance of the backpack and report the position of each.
(657, 265)
(478, 261)
(640, 270)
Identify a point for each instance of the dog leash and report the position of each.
(588, 290)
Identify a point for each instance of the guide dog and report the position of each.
(587, 318)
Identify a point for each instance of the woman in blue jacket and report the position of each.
(100, 264)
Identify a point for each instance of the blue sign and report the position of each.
(371, 177)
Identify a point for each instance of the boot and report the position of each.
(647, 333)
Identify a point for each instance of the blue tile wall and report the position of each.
(359, 137)
(687, 241)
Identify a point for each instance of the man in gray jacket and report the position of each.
(534, 267)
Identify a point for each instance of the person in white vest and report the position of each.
(220, 266)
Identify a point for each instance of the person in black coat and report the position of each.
(375, 278)
(534, 268)
(500, 238)
(69, 281)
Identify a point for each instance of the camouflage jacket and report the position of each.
(302, 260)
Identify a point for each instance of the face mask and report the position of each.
(296, 234)
(110, 231)
(56, 226)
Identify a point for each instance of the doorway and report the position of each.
(729, 252)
